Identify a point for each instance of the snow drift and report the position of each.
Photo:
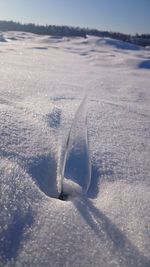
(42, 83)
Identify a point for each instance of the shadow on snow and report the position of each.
(11, 238)
(103, 227)
(145, 64)
(43, 170)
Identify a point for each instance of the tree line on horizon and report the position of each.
(139, 39)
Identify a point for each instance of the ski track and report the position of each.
(43, 80)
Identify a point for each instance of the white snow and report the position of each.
(43, 80)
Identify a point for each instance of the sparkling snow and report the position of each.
(43, 80)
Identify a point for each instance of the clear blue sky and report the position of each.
(128, 16)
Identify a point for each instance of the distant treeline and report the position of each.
(139, 39)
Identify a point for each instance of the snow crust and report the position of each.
(43, 80)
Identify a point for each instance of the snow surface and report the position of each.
(43, 80)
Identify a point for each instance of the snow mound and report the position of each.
(2, 39)
(106, 41)
(118, 44)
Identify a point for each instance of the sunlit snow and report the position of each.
(43, 80)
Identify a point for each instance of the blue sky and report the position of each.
(128, 16)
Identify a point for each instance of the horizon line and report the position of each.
(73, 26)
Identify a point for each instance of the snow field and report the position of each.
(42, 83)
